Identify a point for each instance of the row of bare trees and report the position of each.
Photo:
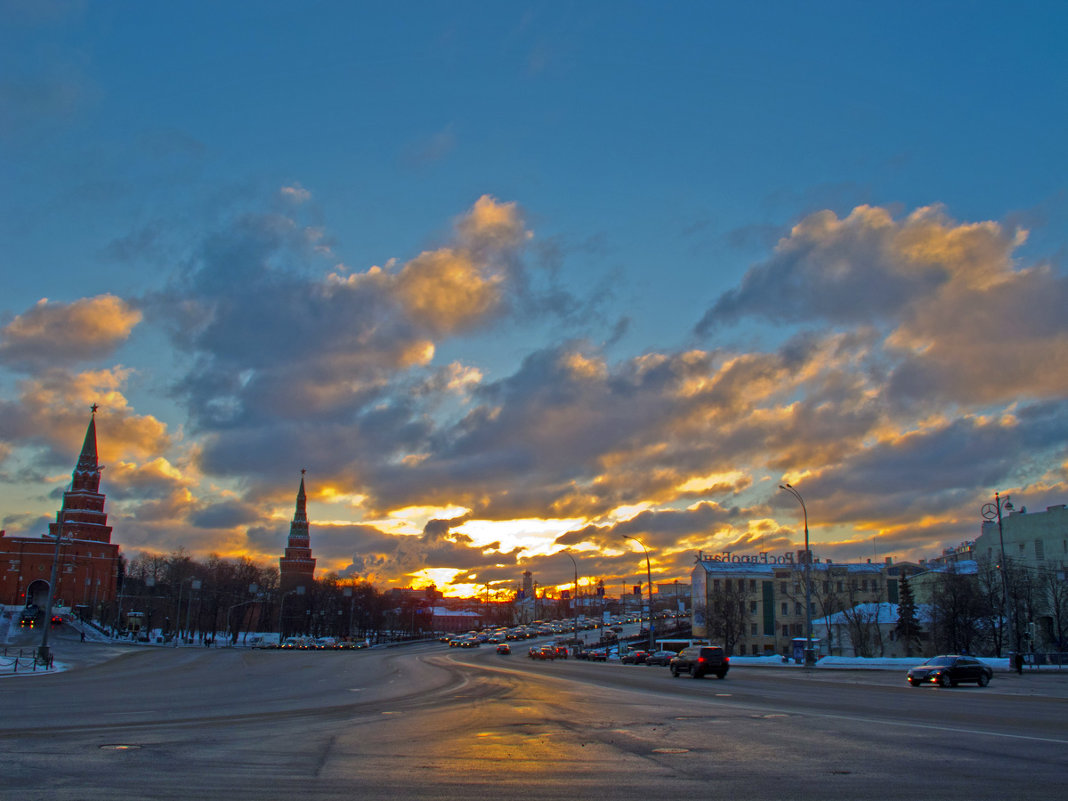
(1018, 608)
(179, 596)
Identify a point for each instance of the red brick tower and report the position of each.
(82, 516)
(297, 567)
(88, 563)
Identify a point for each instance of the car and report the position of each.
(29, 616)
(660, 658)
(504, 648)
(700, 660)
(949, 670)
(57, 620)
(634, 657)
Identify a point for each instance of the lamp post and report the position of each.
(282, 605)
(194, 585)
(231, 635)
(991, 512)
(574, 598)
(649, 576)
(44, 651)
(810, 657)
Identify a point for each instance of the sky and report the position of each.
(513, 282)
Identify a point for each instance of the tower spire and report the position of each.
(82, 515)
(302, 501)
(86, 474)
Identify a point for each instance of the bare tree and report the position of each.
(958, 610)
(728, 612)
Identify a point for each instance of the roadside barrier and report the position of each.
(24, 660)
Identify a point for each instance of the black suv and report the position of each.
(699, 660)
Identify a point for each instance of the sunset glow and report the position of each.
(516, 284)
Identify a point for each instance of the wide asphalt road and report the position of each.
(429, 722)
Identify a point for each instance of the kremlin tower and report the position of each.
(297, 567)
(88, 564)
(82, 516)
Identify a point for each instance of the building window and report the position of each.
(715, 584)
(752, 585)
(785, 608)
(782, 588)
(753, 629)
(785, 631)
(797, 609)
(864, 585)
(1040, 551)
(840, 587)
(752, 606)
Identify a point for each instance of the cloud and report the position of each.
(53, 409)
(963, 323)
(296, 194)
(880, 402)
(65, 333)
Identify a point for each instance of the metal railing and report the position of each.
(25, 660)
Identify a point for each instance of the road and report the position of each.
(430, 722)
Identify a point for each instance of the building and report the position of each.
(755, 604)
(870, 629)
(88, 564)
(297, 567)
(1036, 541)
(453, 620)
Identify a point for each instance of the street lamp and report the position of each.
(649, 576)
(574, 599)
(44, 651)
(990, 512)
(810, 657)
(231, 635)
(282, 605)
(347, 592)
(194, 585)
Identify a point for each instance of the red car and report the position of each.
(504, 648)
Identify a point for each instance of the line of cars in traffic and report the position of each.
(698, 661)
(306, 643)
(695, 660)
(507, 634)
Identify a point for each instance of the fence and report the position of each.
(1038, 660)
(25, 660)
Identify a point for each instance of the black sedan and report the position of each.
(950, 670)
(662, 658)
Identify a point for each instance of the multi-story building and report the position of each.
(1036, 541)
(755, 604)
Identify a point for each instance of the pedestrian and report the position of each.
(83, 636)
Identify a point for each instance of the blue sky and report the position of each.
(510, 278)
